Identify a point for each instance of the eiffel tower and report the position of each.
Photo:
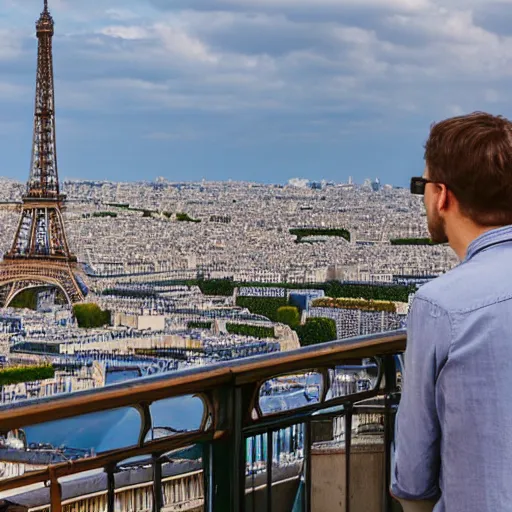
(40, 255)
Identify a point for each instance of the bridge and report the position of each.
(310, 430)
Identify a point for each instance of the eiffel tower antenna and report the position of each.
(40, 255)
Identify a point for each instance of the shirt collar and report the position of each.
(489, 238)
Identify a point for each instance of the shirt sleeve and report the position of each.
(416, 457)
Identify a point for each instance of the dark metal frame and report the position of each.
(229, 393)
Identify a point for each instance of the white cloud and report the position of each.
(179, 42)
(120, 84)
(317, 4)
(122, 32)
(388, 58)
(455, 110)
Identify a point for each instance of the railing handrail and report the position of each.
(231, 414)
(196, 380)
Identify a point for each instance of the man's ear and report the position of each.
(444, 198)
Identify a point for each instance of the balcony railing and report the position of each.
(255, 427)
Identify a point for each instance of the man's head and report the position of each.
(469, 172)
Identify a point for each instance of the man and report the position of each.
(453, 448)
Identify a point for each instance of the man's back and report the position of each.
(456, 415)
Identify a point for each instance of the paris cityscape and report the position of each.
(159, 285)
(108, 282)
(143, 281)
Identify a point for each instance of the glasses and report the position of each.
(418, 185)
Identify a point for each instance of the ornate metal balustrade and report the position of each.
(250, 423)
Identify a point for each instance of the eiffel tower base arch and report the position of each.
(18, 276)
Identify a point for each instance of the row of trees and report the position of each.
(347, 303)
(226, 287)
(104, 214)
(314, 330)
(300, 233)
(139, 294)
(412, 241)
(19, 374)
(199, 325)
(180, 216)
(256, 331)
(38, 347)
(396, 293)
(265, 306)
(185, 217)
(124, 206)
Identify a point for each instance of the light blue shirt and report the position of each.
(454, 422)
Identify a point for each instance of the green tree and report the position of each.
(264, 306)
(224, 287)
(91, 315)
(317, 330)
(185, 217)
(27, 299)
(288, 315)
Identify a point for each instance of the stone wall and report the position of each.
(367, 478)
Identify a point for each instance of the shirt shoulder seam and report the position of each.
(462, 311)
(495, 300)
(432, 302)
(445, 312)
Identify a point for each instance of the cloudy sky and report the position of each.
(261, 90)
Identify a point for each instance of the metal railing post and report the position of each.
(55, 493)
(208, 484)
(348, 447)
(308, 473)
(111, 489)
(270, 457)
(239, 457)
(157, 484)
(226, 460)
(389, 426)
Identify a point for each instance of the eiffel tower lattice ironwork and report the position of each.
(40, 255)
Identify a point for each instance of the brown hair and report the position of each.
(472, 156)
